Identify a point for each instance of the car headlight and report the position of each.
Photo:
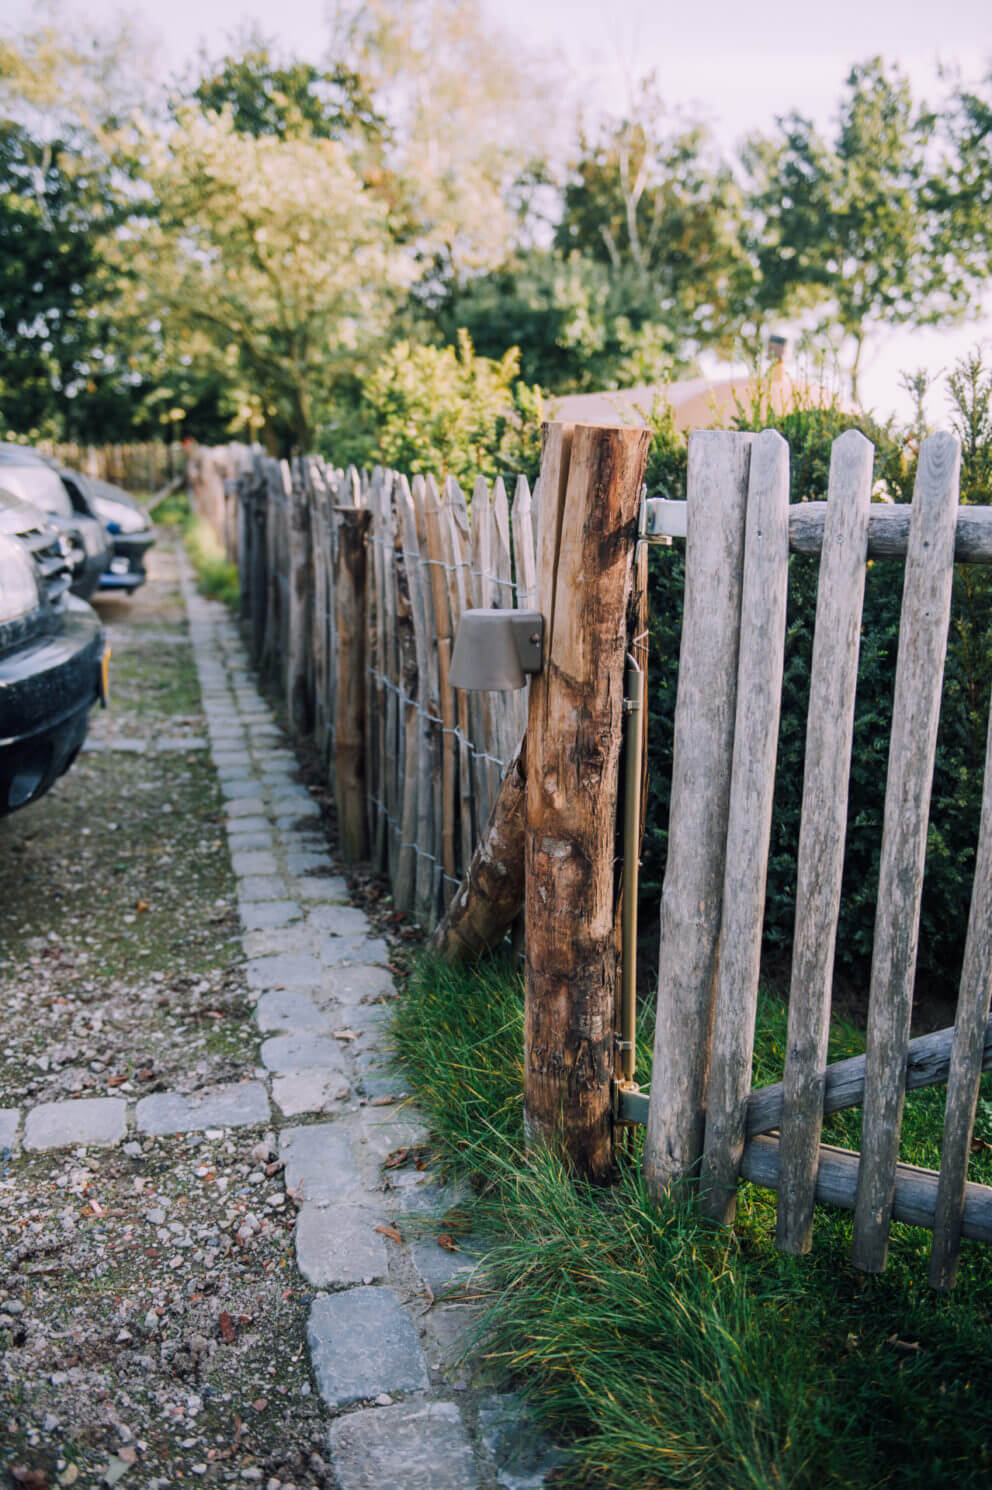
(18, 580)
(118, 516)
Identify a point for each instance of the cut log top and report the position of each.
(888, 529)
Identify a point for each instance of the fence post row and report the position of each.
(353, 586)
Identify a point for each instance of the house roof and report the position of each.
(697, 403)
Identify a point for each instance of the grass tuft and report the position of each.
(669, 1353)
(216, 576)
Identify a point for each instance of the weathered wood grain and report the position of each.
(829, 733)
(749, 821)
(430, 846)
(926, 609)
(573, 757)
(888, 531)
(967, 1053)
(435, 524)
(350, 742)
(457, 549)
(424, 835)
(492, 892)
(928, 1062)
(914, 1191)
(700, 796)
(405, 875)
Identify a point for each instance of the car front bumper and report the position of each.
(126, 570)
(47, 689)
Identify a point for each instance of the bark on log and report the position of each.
(349, 737)
(492, 893)
(575, 727)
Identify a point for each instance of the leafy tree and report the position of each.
(465, 104)
(650, 198)
(959, 189)
(577, 325)
(274, 251)
(269, 96)
(842, 229)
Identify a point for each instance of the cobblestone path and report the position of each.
(402, 1409)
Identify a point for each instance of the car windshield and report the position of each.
(38, 485)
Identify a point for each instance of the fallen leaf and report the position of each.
(346, 1034)
(382, 1101)
(389, 1231)
(908, 1347)
(147, 1072)
(396, 1158)
(447, 1241)
(260, 1404)
(226, 1324)
(116, 1080)
(142, 905)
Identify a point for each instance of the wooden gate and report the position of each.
(703, 1117)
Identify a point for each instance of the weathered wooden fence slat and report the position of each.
(749, 819)
(700, 795)
(350, 758)
(829, 735)
(923, 629)
(457, 552)
(967, 1053)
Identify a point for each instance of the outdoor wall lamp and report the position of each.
(496, 649)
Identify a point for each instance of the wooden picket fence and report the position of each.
(702, 1114)
(352, 586)
(140, 468)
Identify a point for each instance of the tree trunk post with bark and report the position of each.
(350, 731)
(591, 482)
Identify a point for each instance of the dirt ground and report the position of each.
(152, 1326)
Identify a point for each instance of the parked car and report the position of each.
(54, 659)
(24, 474)
(128, 524)
(25, 517)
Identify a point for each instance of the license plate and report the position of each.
(105, 676)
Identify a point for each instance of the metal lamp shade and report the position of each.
(496, 649)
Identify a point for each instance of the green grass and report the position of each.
(216, 576)
(669, 1353)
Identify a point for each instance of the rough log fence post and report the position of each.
(350, 731)
(591, 479)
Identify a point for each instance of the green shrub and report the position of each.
(441, 410)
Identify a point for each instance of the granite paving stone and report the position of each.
(337, 951)
(417, 1445)
(243, 825)
(343, 920)
(238, 786)
(285, 1011)
(301, 1053)
(262, 887)
(97, 1120)
(253, 861)
(522, 1455)
(320, 1165)
(296, 1092)
(358, 984)
(250, 842)
(316, 887)
(246, 807)
(240, 1105)
(9, 1117)
(337, 1246)
(362, 1343)
(286, 970)
(257, 915)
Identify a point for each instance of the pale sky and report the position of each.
(739, 64)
